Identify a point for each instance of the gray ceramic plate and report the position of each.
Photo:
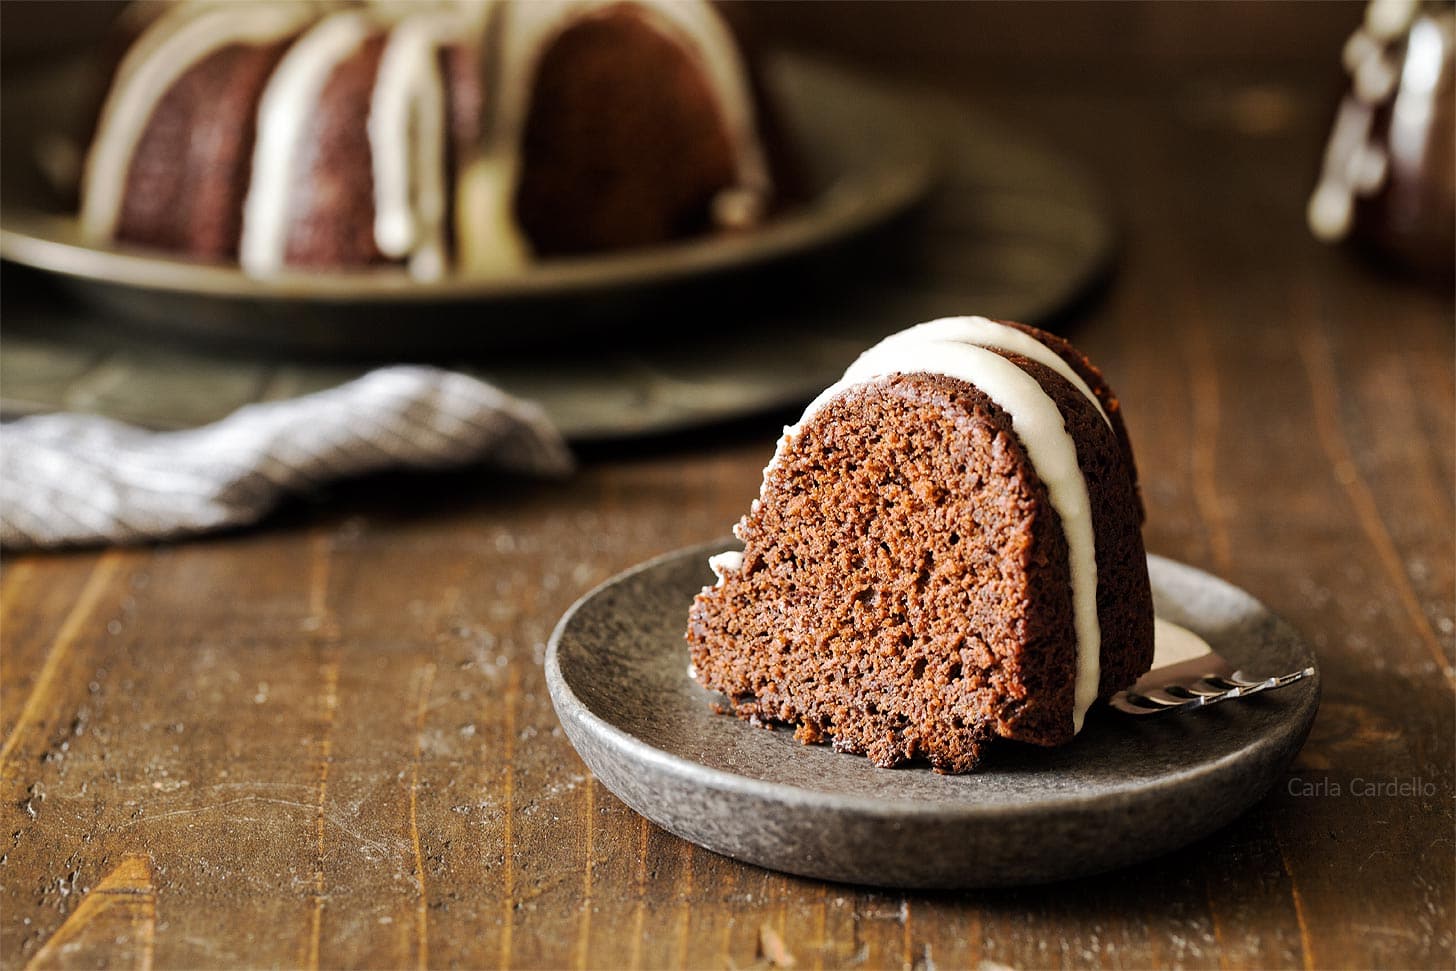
(1126, 790)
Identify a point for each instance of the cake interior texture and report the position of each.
(905, 589)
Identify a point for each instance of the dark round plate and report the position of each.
(1126, 790)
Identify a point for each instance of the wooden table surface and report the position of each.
(327, 742)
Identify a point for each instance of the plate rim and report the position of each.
(569, 705)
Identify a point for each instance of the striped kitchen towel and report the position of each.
(70, 479)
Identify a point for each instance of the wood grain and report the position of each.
(328, 742)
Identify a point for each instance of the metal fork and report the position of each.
(1195, 683)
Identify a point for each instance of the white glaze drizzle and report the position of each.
(962, 348)
(1355, 165)
(526, 30)
(286, 107)
(985, 332)
(170, 47)
(407, 135)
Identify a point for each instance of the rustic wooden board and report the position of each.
(327, 742)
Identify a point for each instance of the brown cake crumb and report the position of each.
(905, 588)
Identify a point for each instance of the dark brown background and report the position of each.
(327, 741)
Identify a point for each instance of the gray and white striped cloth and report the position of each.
(70, 479)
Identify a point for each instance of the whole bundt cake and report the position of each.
(946, 550)
(434, 135)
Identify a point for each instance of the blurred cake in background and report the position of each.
(443, 137)
(1389, 175)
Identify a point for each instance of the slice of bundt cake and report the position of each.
(946, 550)
(469, 134)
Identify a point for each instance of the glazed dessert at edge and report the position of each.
(1389, 174)
(434, 135)
(946, 550)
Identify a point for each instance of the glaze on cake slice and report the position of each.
(946, 550)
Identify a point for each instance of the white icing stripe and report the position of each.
(985, 332)
(1038, 425)
(287, 105)
(527, 29)
(407, 131)
(167, 50)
